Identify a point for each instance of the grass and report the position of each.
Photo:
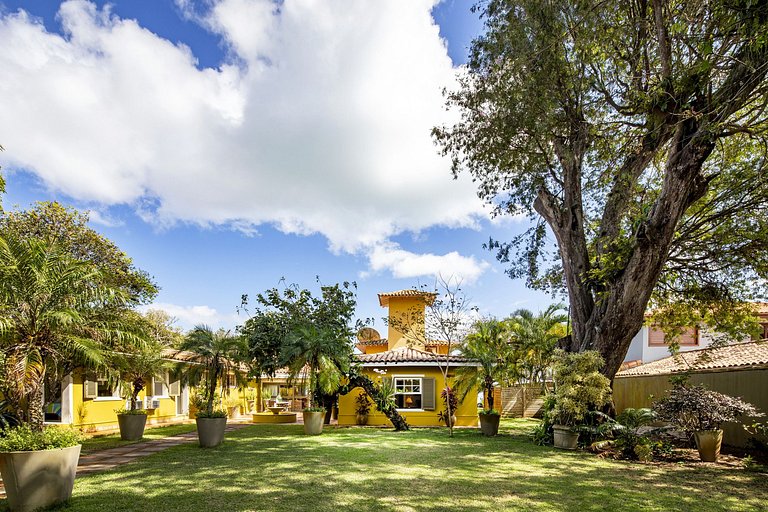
(276, 467)
(113, 440)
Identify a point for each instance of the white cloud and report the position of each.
(104, 219)
(320, 123)
(190, 316)
(405, 264)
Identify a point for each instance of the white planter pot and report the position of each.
(39, 479)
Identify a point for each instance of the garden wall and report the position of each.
(750, 384)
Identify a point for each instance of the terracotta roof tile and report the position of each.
(407, 355)
(412, 292)
(739, 355)
(372, 343)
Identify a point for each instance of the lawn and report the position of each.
(113, 440)
(275, 467)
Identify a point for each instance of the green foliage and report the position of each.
(579, 387)
(533, 342)
(132, 412)
(213, 413)
(490, 412)
(487, 344)
(384, 396)
(314, 409)
(55, 312)
(26, 438)
(696, 408)
(362, 404)
(219, 354)
(626, 431)
(134, 365)
(68, 229)
(450, 404)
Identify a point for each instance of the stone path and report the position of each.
(103, 460)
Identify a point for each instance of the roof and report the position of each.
(753, 354)
(372, 343)
(428, 297)
(410, 356)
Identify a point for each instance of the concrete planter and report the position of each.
(131, 426)
(564, 438)
(361, 419)
(210, 431)
(708, 443)
(233, 412)
(489, 424)
(313, 423)
(38, 479)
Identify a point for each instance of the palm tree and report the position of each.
(133, 367)
(487, 344)
(219, 354)
(534, 339)
(52, 308)
(319, 352)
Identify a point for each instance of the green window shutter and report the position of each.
(174, 388)
(428, 393)
(90, 388)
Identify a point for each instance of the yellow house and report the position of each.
(411, 362)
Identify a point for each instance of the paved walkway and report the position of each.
(103, 460)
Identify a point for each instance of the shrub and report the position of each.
(216, 413)
(362, 404)
(449, 398)
(490, 412)
(626, 430)
(24, 439)
(314, 409)
(579, 387)
(696, 408)
(132, 412)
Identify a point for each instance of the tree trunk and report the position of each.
(35, 405)
(370, 388)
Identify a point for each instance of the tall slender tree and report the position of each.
(635, 132)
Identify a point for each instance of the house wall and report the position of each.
(641, 349)
(93, 414)
(404, 311)
(466, 415)
(751, 385)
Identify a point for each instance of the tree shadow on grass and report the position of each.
(278, 468)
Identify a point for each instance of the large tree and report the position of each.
(634, 132)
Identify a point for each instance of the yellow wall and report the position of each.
(404, 311)
(99, 414)
(466, 415)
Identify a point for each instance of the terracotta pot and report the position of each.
(361, 419)
(38, 479)
(313, 423)
(131, 426)
(210, 431)
(489, 424)
(564, 438)
(708, 443)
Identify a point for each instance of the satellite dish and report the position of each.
(368, 334)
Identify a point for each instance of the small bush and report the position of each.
(314, 409)
(696, 408)
(134, 412)
(24, 439)
(362, 404)
(490, 412)
(216, 413)
(579, 387)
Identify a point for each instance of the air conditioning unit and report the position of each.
(153, 404)
(139, 404)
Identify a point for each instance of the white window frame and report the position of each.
(421, 390)
(165, 379)
(116, 391)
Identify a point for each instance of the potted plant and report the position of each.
(38, 467)
(579, 388)
(54, 309)
(449, 399)
(488, 345)
(362, 408)
(218, 355)
(132, 366)
(322, 354)
(232, 406)
(489, 422)
(701, 412)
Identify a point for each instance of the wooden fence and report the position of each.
(750, 384)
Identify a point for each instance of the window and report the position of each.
(100, 387)
(689, 337)
(408, 392)
(105, 388)
(160, 385)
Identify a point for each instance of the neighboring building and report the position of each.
(649, 344)
(412, 366)
(739, 370)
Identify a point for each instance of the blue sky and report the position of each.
(226, 144)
